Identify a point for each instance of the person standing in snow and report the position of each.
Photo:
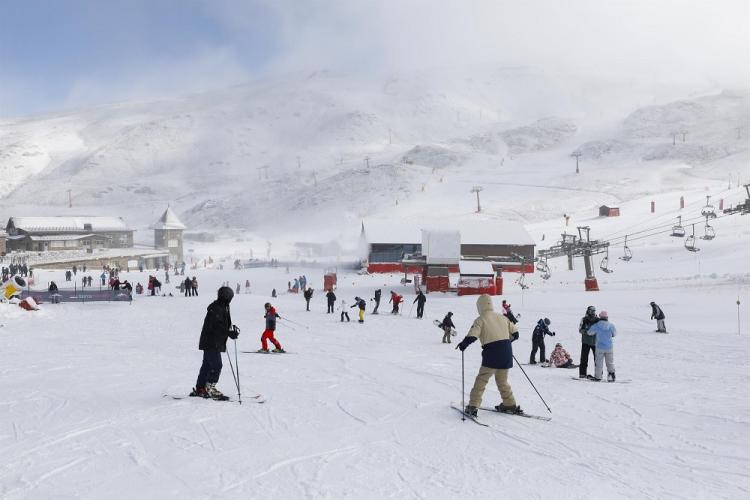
(308, 295)
(420, 300)
(658, 315)
(194, 286)
(588, 341)
(247, 286)
(331, 298)
(344, 312)
(447, 326)
(362, 305)
(537, 340)
(560, 357)
(495, 332)
(604, 331)
(378, 292)
(268, 333)
(217, 327)
(396, 300)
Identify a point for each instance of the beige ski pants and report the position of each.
(501, 378)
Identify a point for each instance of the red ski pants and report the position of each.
(268, 335)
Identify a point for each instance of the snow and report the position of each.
(475, 268)
(440, 246)
(78, 223)
(168, 220)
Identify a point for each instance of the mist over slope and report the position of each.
(311, 153)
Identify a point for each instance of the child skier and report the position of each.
(217, 327)
(344, 312)
(495, 332)
(537, 340)
(604, 331)
(358, 302)
(396, 300)
(447, 326)
(508, 313)
(270, 317)
(560, 357)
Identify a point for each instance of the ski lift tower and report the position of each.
(477, 189)
(579, 246)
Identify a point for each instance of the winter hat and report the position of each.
(558, 344)
(604, 315)
(225, 294)
(547, 321)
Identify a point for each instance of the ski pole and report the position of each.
(295, 323)
(231, 366)
(463, 387)
(237, 364)
(532, 383)
(411, 309)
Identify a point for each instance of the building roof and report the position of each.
(475, 268)
(168, 220)
(65, 237)
(62, 224)
(473, 231)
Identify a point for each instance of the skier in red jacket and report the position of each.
(270, 316)
(396, 299)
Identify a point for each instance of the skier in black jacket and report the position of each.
(420, 300)
(377, 300)
(588, 342)
(308, 295)
(217, 327)
(331, 297)
(447, 326)
(537, 340)
(658, 315)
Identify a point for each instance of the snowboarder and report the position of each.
(344, 312)
(447, 326)
(560, 357)
(308, 295)
(331, 298)
(396, 300)
(537, 340)
(217, 327)
(588, 342)
(377, 300)
(604, 331)
(420, 300)
(358, 302)
(658, 315)
(495, 332)
(270, 317)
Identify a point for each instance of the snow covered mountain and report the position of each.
(311, 151)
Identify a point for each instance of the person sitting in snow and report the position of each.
(560, 357)
(217, 327)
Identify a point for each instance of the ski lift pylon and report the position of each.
(690, 242)
(627, 254)
(677, 230)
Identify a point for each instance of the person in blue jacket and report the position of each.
(604, 331)
(537, 340)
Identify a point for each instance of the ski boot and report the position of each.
(266, 351)
(279, 350)
(593, 379)
(199, 392)
(516, 410)
(471, 410)
(215, 393)
(532, 362)
(611, 377)
(582, 375)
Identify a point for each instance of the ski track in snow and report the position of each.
(362, 411)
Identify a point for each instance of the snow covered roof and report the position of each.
(168, 220)
(64, 237)
(43, 224)
(473, 232)
(475, 268)
(440, 246)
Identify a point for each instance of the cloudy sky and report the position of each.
(59, 54)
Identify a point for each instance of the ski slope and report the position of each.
(362, 411)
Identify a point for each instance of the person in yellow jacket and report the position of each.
(495, 332)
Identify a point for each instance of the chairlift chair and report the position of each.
(522, 282)
(604, 265)
(708, 211)
(543, 268)
(708, 232)
(677, 230)
(690, 242)
(627, 254)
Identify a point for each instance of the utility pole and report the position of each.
(738, 316)
(577, 154)
(315, 178)
(477, 189)
(299, 163)
(70, 198)
(367, 161)
(674, 138)
(684, 133)
(390, 136)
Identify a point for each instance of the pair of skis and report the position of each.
(484, 408)
(258, 398)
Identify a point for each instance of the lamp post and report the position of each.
(477, 189)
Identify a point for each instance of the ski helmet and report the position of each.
(547, 321)
(267, 305)
(591, 310)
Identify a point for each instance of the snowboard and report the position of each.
(437, 324)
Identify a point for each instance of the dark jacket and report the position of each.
(583, 329)
(377, 295)
(216, 327)
(447, 322)
(359, 303)
(271, 316)
(656, 312)
(421, 299)
(308, 293)
(540, 330)
(331, 297)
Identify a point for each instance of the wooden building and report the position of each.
(605, 211)
(41, 234)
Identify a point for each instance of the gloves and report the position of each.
(466, 342)
(552, 333)
(515, 336)
(234, 332)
